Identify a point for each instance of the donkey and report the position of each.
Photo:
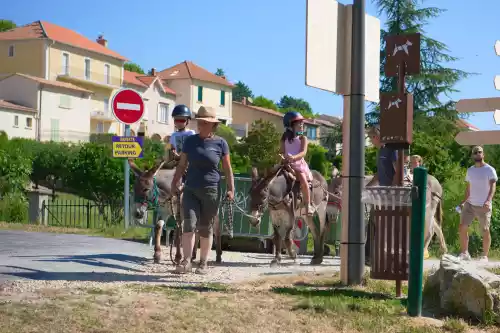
(279, 193)
(433, 214)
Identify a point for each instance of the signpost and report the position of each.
(128, 108)
(343, 57)
(477, 138)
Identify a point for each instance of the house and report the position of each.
(244, 114)
(195, 87)
(51, 52)
(159, 101)
(465, 125)
(17, 121)
(58, 111)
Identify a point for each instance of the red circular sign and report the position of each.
(128, 106)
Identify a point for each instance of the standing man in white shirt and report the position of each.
(481, 185)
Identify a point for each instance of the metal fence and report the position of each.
(79, 213)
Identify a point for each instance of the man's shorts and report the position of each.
(469, 212)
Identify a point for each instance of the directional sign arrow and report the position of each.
(478, 138)
(497, 47)
(497, 82)
(478, 105)
(127, 147)
(496, 117)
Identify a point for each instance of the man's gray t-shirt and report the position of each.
(203, 156)
(385, 167)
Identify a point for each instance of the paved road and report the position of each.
(49, 256)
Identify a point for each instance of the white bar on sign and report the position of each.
(128, 106)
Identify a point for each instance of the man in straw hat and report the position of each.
(201, 155)
(481, 181)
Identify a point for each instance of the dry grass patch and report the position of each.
(305, 303)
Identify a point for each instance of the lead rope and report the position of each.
(227, 208)
(178, 225)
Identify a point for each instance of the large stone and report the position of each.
(464, 289)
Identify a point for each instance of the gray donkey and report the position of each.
(278, 192)
(433, 214)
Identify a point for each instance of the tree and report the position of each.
(331, 139)
(241, 90)
(287, 103)
(133, 67)
(262, 144)
(7, 25)
(220, 72)
(316, 158)
(263, 102)
(228, 134)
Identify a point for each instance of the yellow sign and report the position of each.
(127, 147)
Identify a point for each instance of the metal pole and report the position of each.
(416, 269)
(126, 189)
(356, 232)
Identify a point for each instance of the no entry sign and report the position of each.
(128, 106)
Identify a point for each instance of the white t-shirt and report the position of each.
(479, 180)
(177, 139)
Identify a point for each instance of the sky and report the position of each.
(260, 42)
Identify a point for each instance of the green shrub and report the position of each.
(14, 208)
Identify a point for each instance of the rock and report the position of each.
(464, 289)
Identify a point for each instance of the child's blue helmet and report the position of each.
(181, 110)
(290, 117)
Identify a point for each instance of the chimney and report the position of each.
(223, 76)
(244, 101)
(102, 41)
(153, 71)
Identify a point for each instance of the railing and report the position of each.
(81, 74)
(99, 114)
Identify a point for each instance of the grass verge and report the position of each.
(307, 303)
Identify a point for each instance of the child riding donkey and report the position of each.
(294, 149)
(181, 115)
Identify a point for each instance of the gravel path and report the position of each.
(31, 260)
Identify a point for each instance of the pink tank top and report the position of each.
(292, 148)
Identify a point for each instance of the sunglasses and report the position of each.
(180, 120)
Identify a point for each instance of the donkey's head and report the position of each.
(259, 193)
(146, 190)
(335, 192)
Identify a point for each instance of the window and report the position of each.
(200, 93)
(311, 132)
(65, 64)
(87, 69)
(106, 105)
(16, 121)
(222, 97)
(162, 116)
(11, 50)
(107, 74)
(65, 101)
(100, 127)
(54, 130)
(29, 122)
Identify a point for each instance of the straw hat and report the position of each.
(207, 114)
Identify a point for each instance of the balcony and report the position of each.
(102, 115)
(80, 75)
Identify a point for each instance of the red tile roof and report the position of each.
(47, 30)
(13, 106)
(465, 124)
(189, 70)
(275, 113)
(58, 84)
(144, 81)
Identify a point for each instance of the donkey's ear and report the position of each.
(154, 170)
(255, 173)
(134, 167)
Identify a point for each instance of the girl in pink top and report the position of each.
(294, 149)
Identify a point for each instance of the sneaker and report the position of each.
(464, 256)
(184, 267)
(310, 210)
(426, 254)
(202, 268)
(483, 259)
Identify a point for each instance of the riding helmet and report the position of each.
(290, 117)
(181, 110)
